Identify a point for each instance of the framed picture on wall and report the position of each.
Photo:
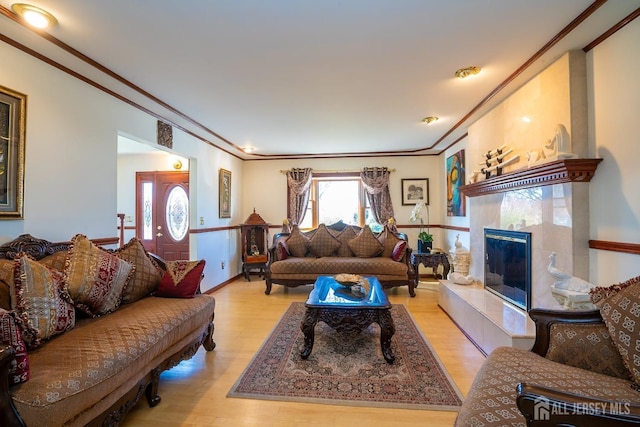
(415, 190)
(455, 179)
(12, 133)
(224, 193)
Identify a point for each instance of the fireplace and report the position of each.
(507, 267)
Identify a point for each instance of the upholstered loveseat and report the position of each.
(298, 258)
(583, 369)
(103, 350)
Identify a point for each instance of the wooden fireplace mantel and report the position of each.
(557, 172)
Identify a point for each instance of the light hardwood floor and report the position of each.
(194, 392)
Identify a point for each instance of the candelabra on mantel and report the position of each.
(496, 160)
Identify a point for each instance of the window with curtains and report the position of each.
(338, 197)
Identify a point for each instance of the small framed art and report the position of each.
(224, 192)
(415, 190)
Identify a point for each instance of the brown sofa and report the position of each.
(573, 376)
(95, 372)
(298, 258)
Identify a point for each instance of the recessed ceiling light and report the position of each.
(248, 149)
(467, 71)
(34, 16)
(430, 119)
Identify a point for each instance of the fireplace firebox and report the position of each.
(507, 270)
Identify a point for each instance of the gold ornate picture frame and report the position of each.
(13, 115)
(224, 194)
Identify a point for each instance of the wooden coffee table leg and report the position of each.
(307, 326)
(387, 329)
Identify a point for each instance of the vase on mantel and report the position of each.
(424, 247)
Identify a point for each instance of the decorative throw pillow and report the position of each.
(398, 250)
(365, 244)
(586, 346)
(620, 308)
(10, 335)
(344, 237)
(56, 260)
(323, 243)
(41, 301)
(181, 280)
(388, 240)
(6, 282)
(297, 243)
(282, 252)
(147, 274)
(95, 278)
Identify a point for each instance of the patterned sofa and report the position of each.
(298, 258)
(91, 371)
(583, 369)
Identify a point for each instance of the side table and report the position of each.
(430, 260)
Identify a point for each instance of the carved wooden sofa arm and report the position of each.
(542, 406)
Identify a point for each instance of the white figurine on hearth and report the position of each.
(565, 280)
(461, 260)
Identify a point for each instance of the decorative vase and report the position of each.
(424, 247)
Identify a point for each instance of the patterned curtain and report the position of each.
(299, 183)
(376, 184)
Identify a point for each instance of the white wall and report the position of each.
(265, 187)
(71, 164)
(614, 117)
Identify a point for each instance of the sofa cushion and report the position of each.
(377, 266)
(620, 309)
(41, 301)
(146, 276)
(491, 401)
(106, 356)
(365, 244)
(95, 277)
(323, 243)
(297, 243)
(10, 335)
(344, 237)
(181, 280)
(586, 346)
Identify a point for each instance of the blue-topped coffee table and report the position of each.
(346, 309)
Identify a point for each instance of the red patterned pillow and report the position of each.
(181, 280)
(95, 277)
(10, 335)
(399, 250)
(282, 252)
(42, 303)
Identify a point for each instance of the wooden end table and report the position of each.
(347, 311)
(430, 260)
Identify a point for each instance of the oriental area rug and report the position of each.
(349, 369)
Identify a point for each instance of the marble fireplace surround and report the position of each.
(552, 199)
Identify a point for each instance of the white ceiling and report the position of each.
(321, 78)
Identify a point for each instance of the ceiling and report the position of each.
(330, 78)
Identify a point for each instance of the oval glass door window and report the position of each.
(177, 213)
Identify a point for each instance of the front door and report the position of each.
(162, 213)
